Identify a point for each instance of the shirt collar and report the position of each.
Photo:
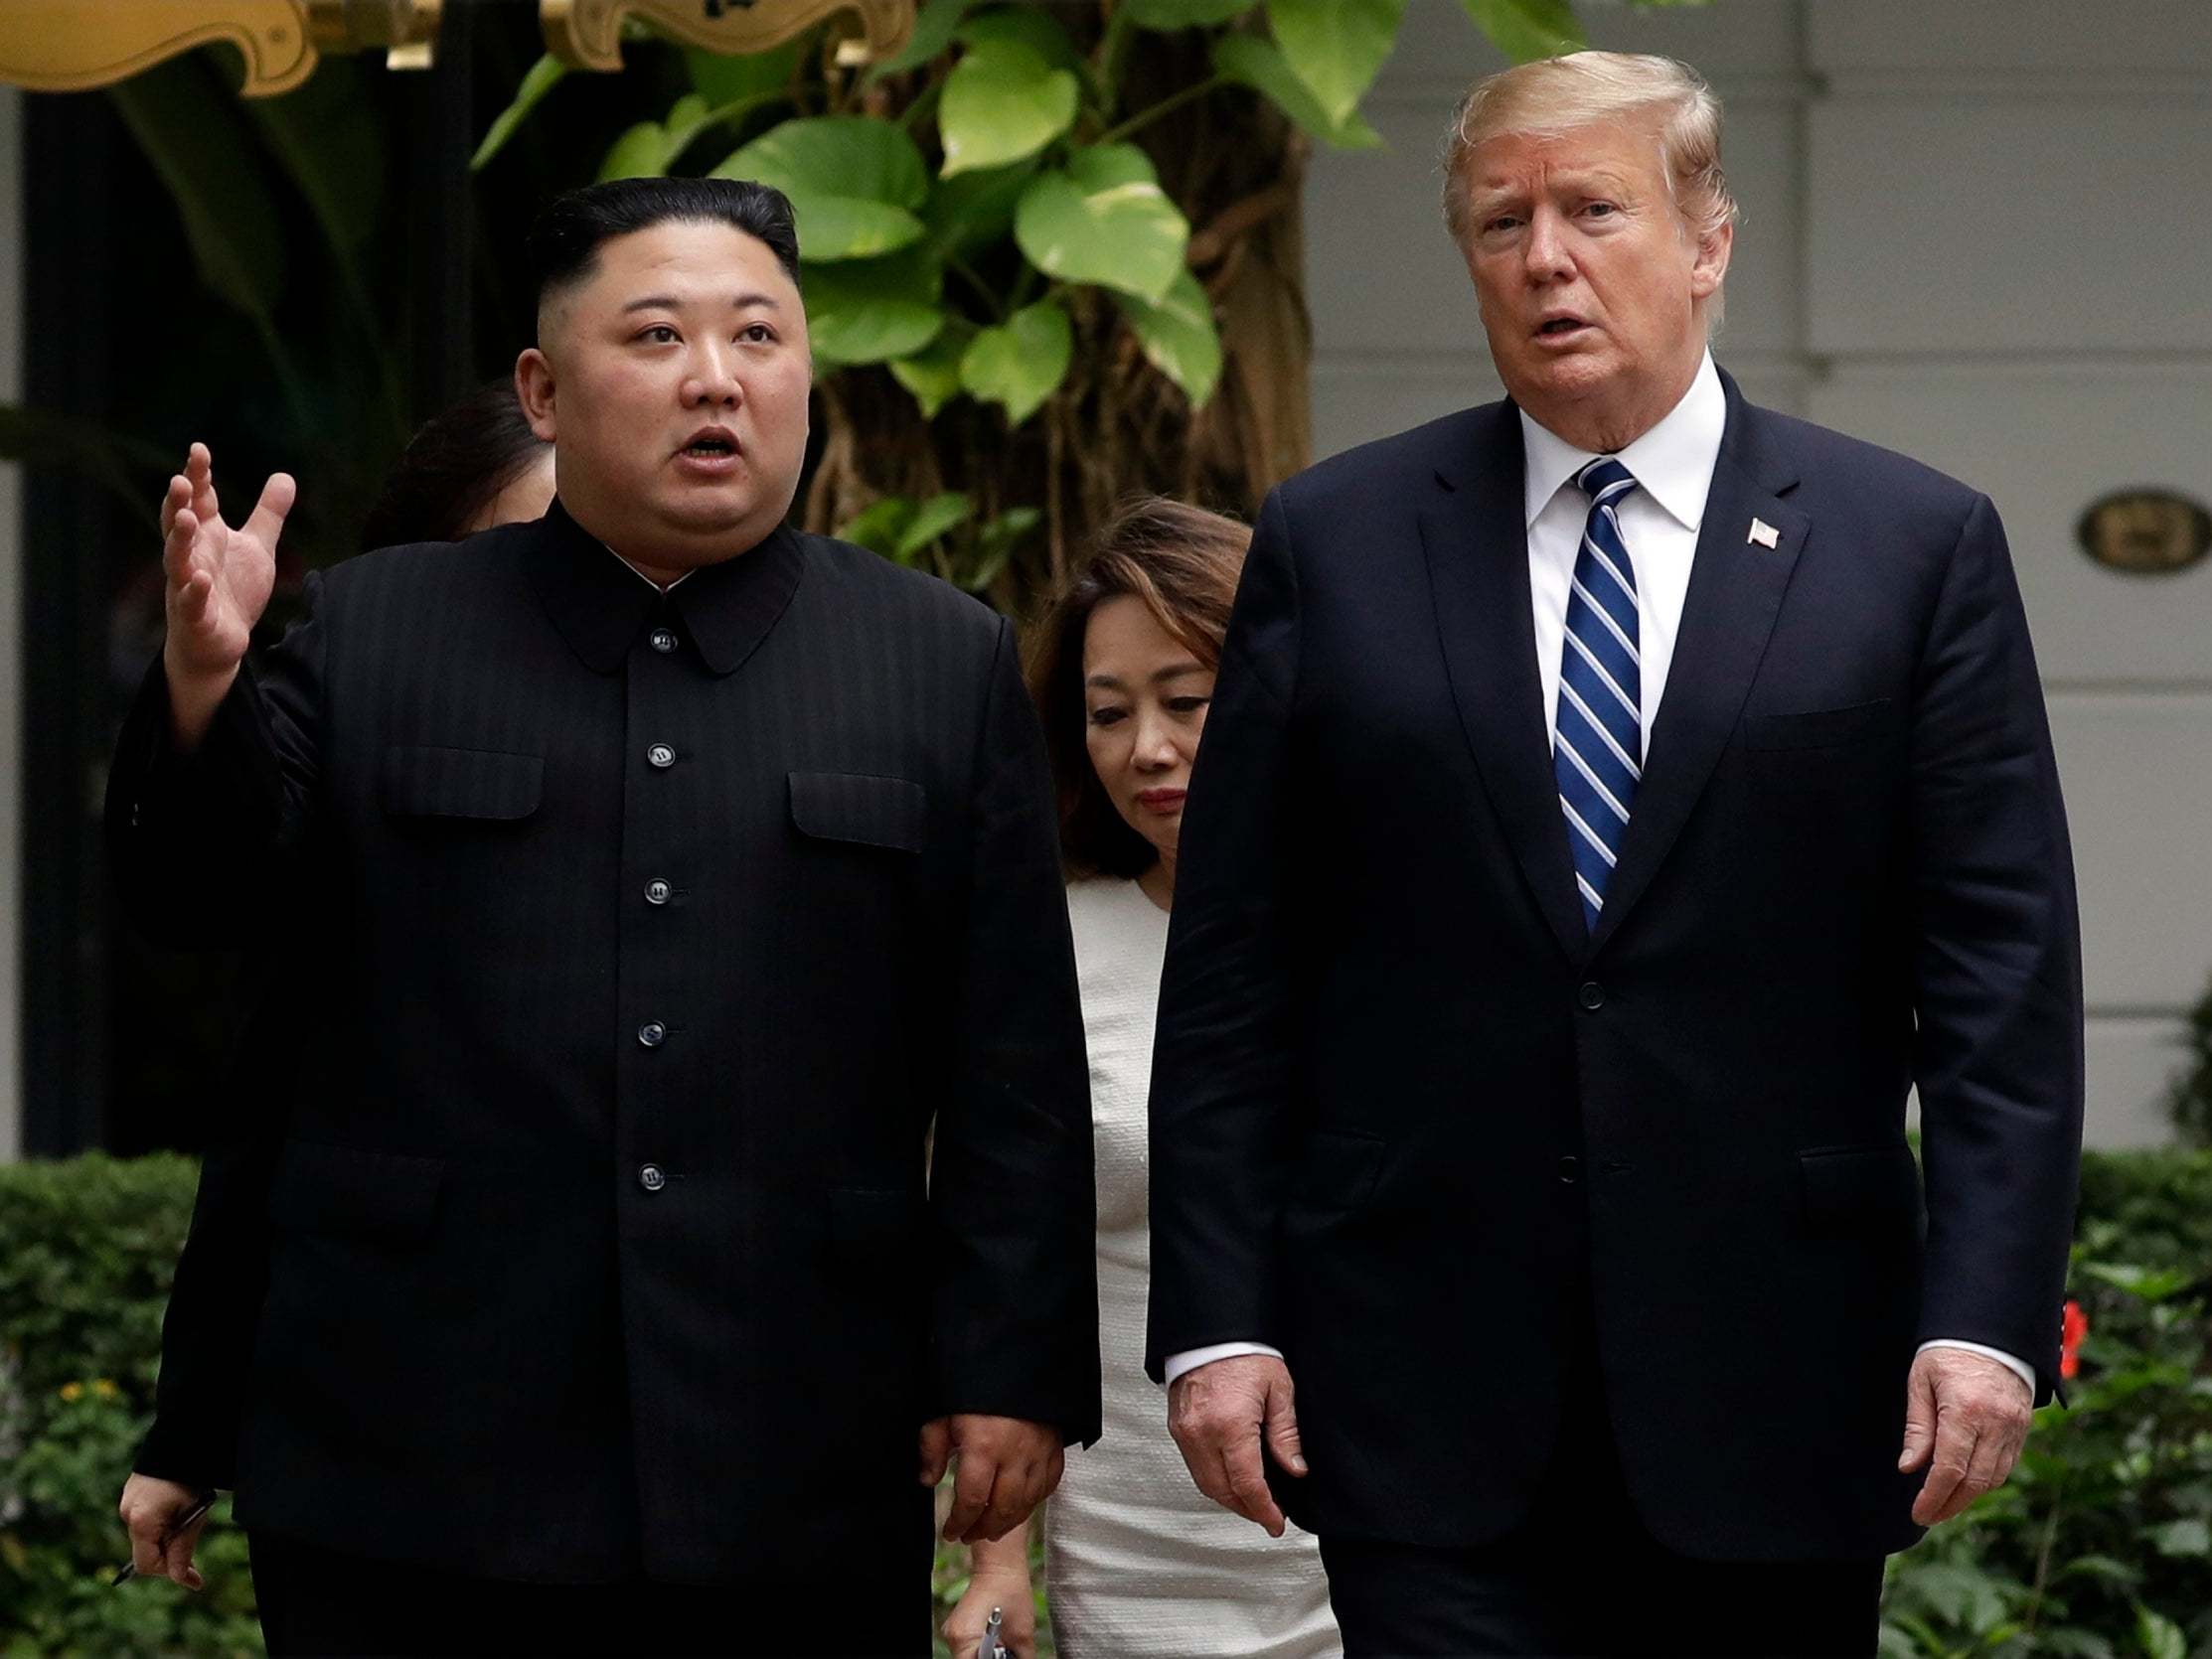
(600, 603)
(1673, 461)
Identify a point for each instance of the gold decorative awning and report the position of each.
(68, 46)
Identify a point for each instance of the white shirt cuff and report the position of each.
(2018, 1367)
(1191, 1358)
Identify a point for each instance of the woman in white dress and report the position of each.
(1138, 1562)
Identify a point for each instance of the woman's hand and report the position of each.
(999, 1576)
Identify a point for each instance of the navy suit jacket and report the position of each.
(1416, 1126)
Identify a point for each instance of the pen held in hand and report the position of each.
(129, 1569)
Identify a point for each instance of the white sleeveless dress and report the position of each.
(1139, 1564)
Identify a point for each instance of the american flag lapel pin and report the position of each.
(1763, 534)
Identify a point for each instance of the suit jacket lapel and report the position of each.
(1477, 545)
(1735, 592)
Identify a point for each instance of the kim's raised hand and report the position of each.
(216, 582)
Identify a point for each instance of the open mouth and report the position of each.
(1559, 326)
(709, 446)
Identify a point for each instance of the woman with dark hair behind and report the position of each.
(1140, 1563)
(474, 465)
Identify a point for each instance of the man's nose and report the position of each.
(1546, 255)
(712, 378)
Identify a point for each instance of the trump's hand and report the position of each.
(1008, 1466)
(1218, 1414)
(1967, 1416)
(149, 1510)
(217, 583)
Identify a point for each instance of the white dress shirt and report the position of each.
(1673, 465)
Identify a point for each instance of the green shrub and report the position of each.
(87, 1251)
(2101, 1546)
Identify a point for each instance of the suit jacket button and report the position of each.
(652, 1177)
(1591, 997)
(660, 756)
(652, 1033)
(663, 640)
(1570, 1169)
(656, 891)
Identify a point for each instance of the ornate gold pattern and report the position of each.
(68, 46)
(587, 34)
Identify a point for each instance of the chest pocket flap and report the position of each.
(851, 807)
(426, 782)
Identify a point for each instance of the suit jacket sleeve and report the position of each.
(202, 847)
(1998, 971)
(1223, 1059)
(1015, 1211)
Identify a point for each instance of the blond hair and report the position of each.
(1556, 95)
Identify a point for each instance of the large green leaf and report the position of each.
(931, 519)
(1001, 103)
(1029, 26)
(1525, 30)
(736, 77)
(933, 28)
(1106, 220)
(196, 141)
(1183, 14)
(1260, 64)
(853, 182)
(932, 375)
(1336, 46)
(972, 210)
(873, 310)
(1179, 337)
(545, 75)
(1020, 362)
(640, 153)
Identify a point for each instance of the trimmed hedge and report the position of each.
(2100, 1547)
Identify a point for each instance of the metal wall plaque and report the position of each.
(70, 46)
(2145, 532)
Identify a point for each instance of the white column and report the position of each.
(11, 634)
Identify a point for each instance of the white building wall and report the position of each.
(1977, 235)
(11, 634)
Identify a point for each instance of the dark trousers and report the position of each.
(316, 1602)
(1582, 1579)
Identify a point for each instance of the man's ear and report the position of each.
(534, 390)
(1706, 274)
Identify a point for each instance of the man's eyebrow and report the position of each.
(668, 302)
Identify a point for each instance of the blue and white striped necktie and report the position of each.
(1598, 747)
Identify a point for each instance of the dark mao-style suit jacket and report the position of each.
(646, 939)
(1418, 1128)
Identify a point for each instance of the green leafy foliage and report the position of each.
(1336, 46)
(86, 1253)
(1003, 103)
(854, 183)
(545, 75)
(1020, 362)
(873, 310)
(1178, 336)
(1528, 29)
(1254, 62)
(2102, 1542)
(1104, 221)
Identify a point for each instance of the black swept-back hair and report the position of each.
(572, 226)
(454, 467)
